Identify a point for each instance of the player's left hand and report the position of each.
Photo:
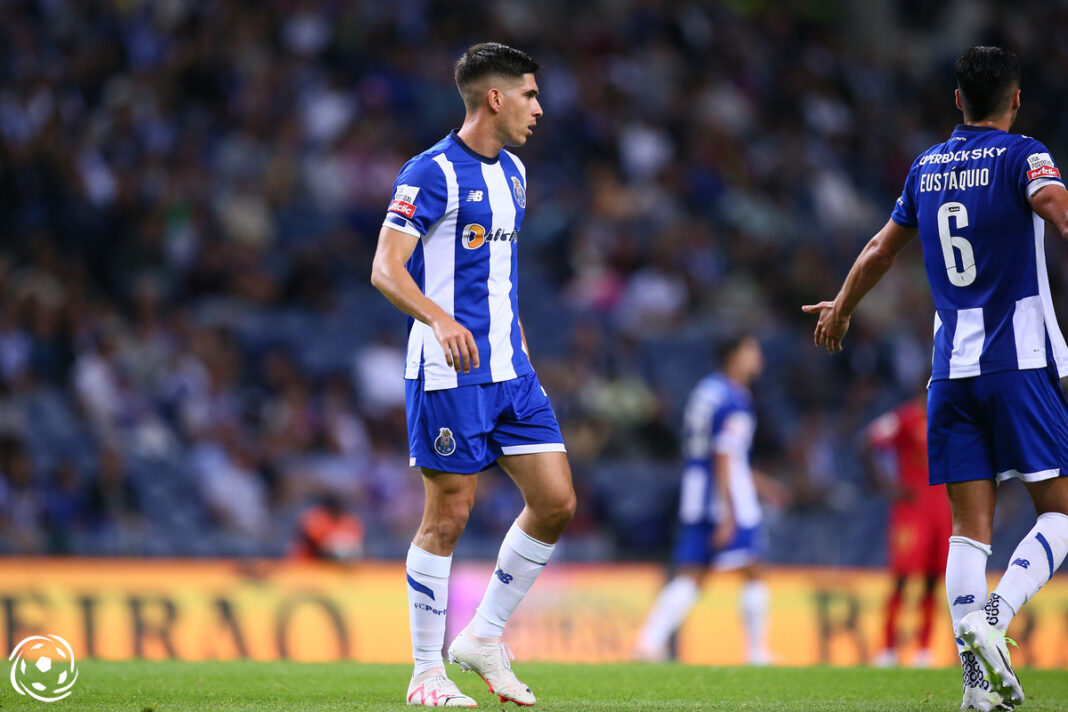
(831, 327)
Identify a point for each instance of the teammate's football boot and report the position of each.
(989, 645)
(489, 658)
(434, 689)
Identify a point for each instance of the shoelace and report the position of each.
(505, 655)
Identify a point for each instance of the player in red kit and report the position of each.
(920, 522)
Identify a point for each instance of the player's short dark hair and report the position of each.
(490, 59)
(729, 343)
(986, 77)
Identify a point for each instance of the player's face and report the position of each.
(519, 111)
(752, 357)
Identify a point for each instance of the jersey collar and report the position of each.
(470, 151)
(968, 128)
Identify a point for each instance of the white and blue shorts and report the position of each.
(464, 430)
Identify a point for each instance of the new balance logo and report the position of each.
(475, 196)
(964, 599)
(1022, 563)
(505, 578)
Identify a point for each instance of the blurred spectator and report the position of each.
(327, 531)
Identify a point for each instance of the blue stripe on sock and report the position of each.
(420, 588)
(1049, 551)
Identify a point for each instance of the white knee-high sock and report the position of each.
(754, 609)
(428, 599)
(1033, 563)
(965, 578)
(521, 559)
(670, 609)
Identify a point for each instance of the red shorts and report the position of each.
(919, 538)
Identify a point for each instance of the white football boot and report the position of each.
(434, 689)
(979, 694)
(489, 658)
(988, 644)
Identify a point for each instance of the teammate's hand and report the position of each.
(461, 352)
(723, 534)
(831, 327)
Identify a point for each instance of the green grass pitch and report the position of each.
(296, 687)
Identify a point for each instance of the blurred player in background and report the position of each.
(995, 405)
(920, 523)
(719, 514)
(448, 257)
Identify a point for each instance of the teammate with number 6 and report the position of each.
(979, 202)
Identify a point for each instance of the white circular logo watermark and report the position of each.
(43, 668)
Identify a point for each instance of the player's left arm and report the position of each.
(1050, 202)
(873, 262)
(523, 336)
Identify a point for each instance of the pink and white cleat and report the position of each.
(489, 658)
(434, 689)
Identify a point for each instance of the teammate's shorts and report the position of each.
(1004, 424)
(464, 430)
(918, 539)
(693, 547)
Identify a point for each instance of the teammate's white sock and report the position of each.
(1032, 564)
(428, 599)
(754, 608)
(521, 559)
(965, 578)
(670, 609)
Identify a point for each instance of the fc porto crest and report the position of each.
(445, 443)
(519, 192)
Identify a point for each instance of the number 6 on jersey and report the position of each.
(957, 277)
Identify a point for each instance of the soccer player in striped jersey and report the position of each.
(447, 257)
(719, 514)
(995, 406)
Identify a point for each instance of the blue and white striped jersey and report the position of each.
(467, 209)
(719, 419)
(983, 248)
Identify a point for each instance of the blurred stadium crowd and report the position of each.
(190, 192)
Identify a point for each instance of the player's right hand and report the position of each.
(458, 343)
(724, 532)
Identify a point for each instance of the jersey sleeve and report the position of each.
(732, 434)
(419, 197)
(905, 211)
(1034, 168)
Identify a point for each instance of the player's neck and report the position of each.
(480, 137)
(1002, 123)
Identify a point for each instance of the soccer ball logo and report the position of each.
(43, 668)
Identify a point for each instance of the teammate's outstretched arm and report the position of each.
(389, 276)
(872, 263)
(1050, 203)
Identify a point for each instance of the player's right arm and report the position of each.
(872, 263)
(725, 524)
(1050, 203)
(390, 276)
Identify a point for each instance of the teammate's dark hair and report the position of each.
(986, 77)
(490, 59)
(730, 343)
